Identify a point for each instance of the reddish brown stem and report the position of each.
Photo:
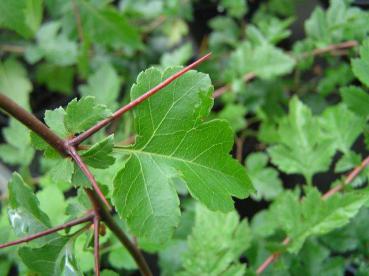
(33, 123)
(73, 153)
(96, 244)
(71, 223)
(83, 136)
(349, 178)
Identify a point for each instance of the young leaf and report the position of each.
(17, 150)
(265, 179)
(360, 66)
(106, 26)
(104, 85)
(314, 216)
(301, 148)
(14, 82)
(53, 45)
(99, 155)
(53, 259)
(356, 99)
(224, 238)
(173, 143)
(24, 213)
(83, 114)
(341, 126)
(53, 202)
(22, 16)
(266, 61)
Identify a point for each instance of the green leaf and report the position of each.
(104, 85)
(99, 155)
(14, 82)
(224, 237)
(173, 143)
(356, 99)
(24, 212)
(22, 16)
(83, 114)
(56, 78)
(178, 56)
(234, 114)
(264, 179)
(266, 61)
(55, 120)
(314, 216)
(341, 127)
(62, 170)
(360, 65)
(17, 150)
(171, 258)
(53, 259)
(53, 202)
(302, 149)
(53, 45)
(235, 8)
(106, 26)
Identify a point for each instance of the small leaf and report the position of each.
(104, 85)
(14, 82)
(83, 114)
(22, 16)
(56, 78)
(314, 216)
(24, 212)
(224, 238)
(53, 45)
(53, 259)
(302, 149)
(62, 170)
(106, 26)
(266, 61)
(356, 99)
(99, 155)
(265, 179)
(360, 66)
(18, 148)
(341, 127)
(53, 202)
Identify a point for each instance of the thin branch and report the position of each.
(96, 244)
(33, 123)
(78, 20)
(330, 48)
(77, 158)
(122, 237)
(83, 136)
(16, 49)
(350, 177)
(71, 223)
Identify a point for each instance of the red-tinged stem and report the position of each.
(77, 158)
(271, 258)
(331, 48)
(33, 123)
(71, 223)
(122, 237)
(83, 136)
(96, 244)
(350, 177)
